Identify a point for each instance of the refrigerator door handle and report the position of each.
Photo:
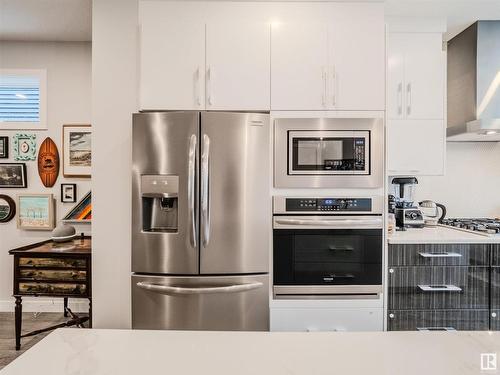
(178, 290)
(191, 187)
(205, 189)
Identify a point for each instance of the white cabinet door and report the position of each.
(415, 147)
(395, 75)
(172, 61)
(298, 66)
(237, 66)
(357, 58)
(424, 76)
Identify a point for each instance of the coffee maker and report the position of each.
(407, 213)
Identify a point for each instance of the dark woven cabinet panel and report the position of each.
(461, 320)
(405, 293)
(412, 255)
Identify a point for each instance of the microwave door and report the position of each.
(235, 201)
(164, 190)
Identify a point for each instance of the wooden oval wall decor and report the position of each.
(48, 162)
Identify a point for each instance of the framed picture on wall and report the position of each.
(68, 193)
(13, 175)
(7, 208)
(25, 147)
(4, 147)
(77, 150)
(36, 211)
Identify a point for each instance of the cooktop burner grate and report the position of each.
(486, 225)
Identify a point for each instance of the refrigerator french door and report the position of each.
(200, 221)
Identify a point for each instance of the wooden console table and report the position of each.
(57, 270)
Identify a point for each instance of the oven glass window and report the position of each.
(329, 154)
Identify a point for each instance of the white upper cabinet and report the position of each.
(237, 66)
(416, 76)
(172, 63)
(357, 58)
(338, 64)
(299, 65)
(425, 156)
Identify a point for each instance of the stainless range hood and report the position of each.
(474, 84)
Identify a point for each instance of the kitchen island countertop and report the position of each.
(439, 234)
(127, 352)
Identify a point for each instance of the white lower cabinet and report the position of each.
(416, 147)
(327, 319)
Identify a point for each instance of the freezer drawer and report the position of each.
(222, 303)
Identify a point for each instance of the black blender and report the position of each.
(408, 215)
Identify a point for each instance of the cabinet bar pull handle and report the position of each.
(400, 98)
(325, 80)
(440, 288)
(408, 99)
(430, 329)
(209, 86)
(445, 254)
(334, 86)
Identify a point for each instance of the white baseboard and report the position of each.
(45, 305)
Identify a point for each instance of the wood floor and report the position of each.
(31, 322)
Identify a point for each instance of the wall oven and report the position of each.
(328, 153)
(327, 247)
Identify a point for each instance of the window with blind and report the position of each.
(22, 99)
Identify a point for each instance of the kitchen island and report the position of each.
(124, 352)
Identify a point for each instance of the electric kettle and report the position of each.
(430, 211)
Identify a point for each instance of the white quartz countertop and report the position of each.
(439, 234)
(133, 352)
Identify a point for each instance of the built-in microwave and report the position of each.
(328, 153)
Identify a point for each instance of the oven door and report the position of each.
(329, 152)
(321, 257)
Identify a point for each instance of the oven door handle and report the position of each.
(337, 223)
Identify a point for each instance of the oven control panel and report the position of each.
(328, 204)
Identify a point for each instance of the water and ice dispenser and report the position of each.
(160, 203)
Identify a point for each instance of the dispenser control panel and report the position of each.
(328, 204)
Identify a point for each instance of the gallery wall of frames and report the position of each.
(44, 166)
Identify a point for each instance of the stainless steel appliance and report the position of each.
(430, 212)
(488, 226)
(407, 214)
(327, 247)
(473, 98)
(200, 219)
(328, 152)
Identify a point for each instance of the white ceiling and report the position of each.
(46, 20)
(71, 20)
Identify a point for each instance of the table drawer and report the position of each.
(61, 275)
(427, 288)
(52, 262)
(439, 255)
(460, 320)
(33, 288)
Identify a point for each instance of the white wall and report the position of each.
(114, 99)
(68, 92)
(471, 185)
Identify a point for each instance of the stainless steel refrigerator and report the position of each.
(200, 221)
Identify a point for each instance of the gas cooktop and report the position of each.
(484, 225)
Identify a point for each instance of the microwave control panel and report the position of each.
(329, 204)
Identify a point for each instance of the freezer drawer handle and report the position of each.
(440, 288)
(430, 329)
(177, 290)
(445, 254)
